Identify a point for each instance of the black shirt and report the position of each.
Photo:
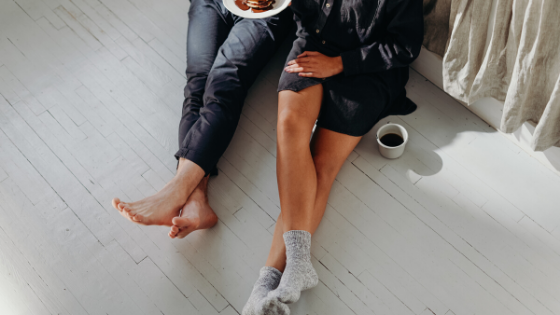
(377, 40)
(369, 35)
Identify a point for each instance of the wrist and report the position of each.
(339, 65)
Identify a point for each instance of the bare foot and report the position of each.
(158, 209)
(196, 215)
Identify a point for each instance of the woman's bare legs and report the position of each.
(277, 255)
(297, 179)
(303, 193)
(305, 176)
(329, 150)
(297, 113)
(162, 207)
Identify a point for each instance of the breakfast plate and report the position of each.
(239, 8)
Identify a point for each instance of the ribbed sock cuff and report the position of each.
(270, 270)
(269, 277)
(298, 243)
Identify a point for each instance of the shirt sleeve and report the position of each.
(398, 48)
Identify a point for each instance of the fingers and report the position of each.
(308, 53)
(295, 69)
(308, 74)
(300, 61)
(303, 71)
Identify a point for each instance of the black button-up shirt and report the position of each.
(369, 35)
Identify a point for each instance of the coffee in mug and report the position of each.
(392, 140)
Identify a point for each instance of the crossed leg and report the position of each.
(162, 207)
(225, 54)
(186, 191)
(196, 214)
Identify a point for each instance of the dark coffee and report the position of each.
(392, 140)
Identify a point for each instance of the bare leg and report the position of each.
(196, 214)
(277, 254)
(298, 189)
(297, 178)
(161, 208)
(329, 150)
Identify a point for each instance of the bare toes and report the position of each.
(137, 218)
(127, 213)
(115, 202)
(181, 222)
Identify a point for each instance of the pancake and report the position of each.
(258, 4)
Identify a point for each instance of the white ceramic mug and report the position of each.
(387, 151)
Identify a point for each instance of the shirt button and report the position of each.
(324, 42)
(328, 5)
(317, 31)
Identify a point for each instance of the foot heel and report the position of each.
(312, 281)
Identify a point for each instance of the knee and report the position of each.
(220, 110)
(291, 126)
(223, 101)
(197, 5)
(325, 168)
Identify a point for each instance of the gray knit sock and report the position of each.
(268, 280)
(299, 274)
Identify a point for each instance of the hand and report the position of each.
(314, 64)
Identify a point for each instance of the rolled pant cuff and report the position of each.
(207, 164)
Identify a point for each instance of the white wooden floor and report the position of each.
(91, 93)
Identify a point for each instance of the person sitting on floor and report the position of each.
(347, 70)
(225, 53)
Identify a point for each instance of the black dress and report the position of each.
(377, 40)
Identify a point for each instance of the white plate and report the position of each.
(277, 7)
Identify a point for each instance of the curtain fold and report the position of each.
(520, 67)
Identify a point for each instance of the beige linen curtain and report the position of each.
(520, 67)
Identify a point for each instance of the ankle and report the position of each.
(199, 195)
(298, 245)
(278, 264)
(297, 239)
